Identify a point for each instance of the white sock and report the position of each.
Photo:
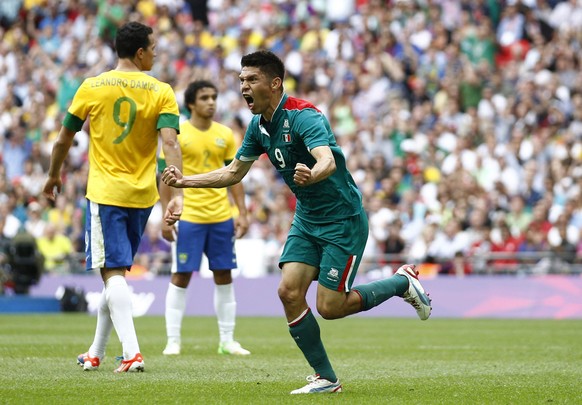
(175, 308)
(103, 329)
(119, 302)
(225, 307)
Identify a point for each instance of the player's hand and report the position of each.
(49, 187)
(241, 226)
(173, 210)
(172, 176)
(168, 232)
(302, 176)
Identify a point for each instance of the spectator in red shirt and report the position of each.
(505, 243)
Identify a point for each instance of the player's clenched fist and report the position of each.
(302, 176)
(172, 176)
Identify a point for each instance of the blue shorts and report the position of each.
(216, 241)
(113, 234)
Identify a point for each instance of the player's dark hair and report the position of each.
(130, 37)
(266, 61)
(193, 88)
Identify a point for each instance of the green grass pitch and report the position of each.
(379, 360)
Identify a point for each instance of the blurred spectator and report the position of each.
(479, 46)
(35, 224)
(534, 240)
(9, 12)
(518, 219)
(11, 223)
(418, 252)
(503, 242)
(447, 244)
(510, 29)
(110, 15)
(539, 221)
(32, 178)
(56, 249)
(16, 150)
(199, 10)
(563, 239)
(61, 214)
(566, 16)
(394, 243)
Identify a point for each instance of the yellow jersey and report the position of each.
(202, 152)
(125, 111)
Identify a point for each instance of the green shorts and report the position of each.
(335, 248)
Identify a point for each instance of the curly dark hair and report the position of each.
(192, 90)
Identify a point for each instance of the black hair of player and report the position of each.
(193, 88)
(266, 61)
(130, 37)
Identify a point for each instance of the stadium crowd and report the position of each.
(461, 119)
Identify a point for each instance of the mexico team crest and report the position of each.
(286, 134)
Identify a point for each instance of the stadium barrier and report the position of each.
(27, 304)
(498, 284)
(500, 296)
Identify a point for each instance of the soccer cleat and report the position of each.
(415, 295)
(172, 349)
(318, 385)
(130, 366)
(87, 362)
(233, 348)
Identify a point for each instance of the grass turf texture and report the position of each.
(379, 360)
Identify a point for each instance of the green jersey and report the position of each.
(295, 128)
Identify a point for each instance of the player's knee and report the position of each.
(181, 279)
(328, 311)
(222, 277)
(288, 295)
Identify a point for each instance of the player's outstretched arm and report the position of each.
(223, 177)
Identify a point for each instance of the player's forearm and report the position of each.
(172, 153)
(238, 195)
(322, 169)
(216, 179)
(165, 192)
(60, 152)
(173, 156)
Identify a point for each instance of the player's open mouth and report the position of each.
(250, 101)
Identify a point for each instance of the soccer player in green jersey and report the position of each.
(330, 228)
(206, 225)
(127, 109)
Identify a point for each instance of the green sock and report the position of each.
(306, 334)
(375, 293)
